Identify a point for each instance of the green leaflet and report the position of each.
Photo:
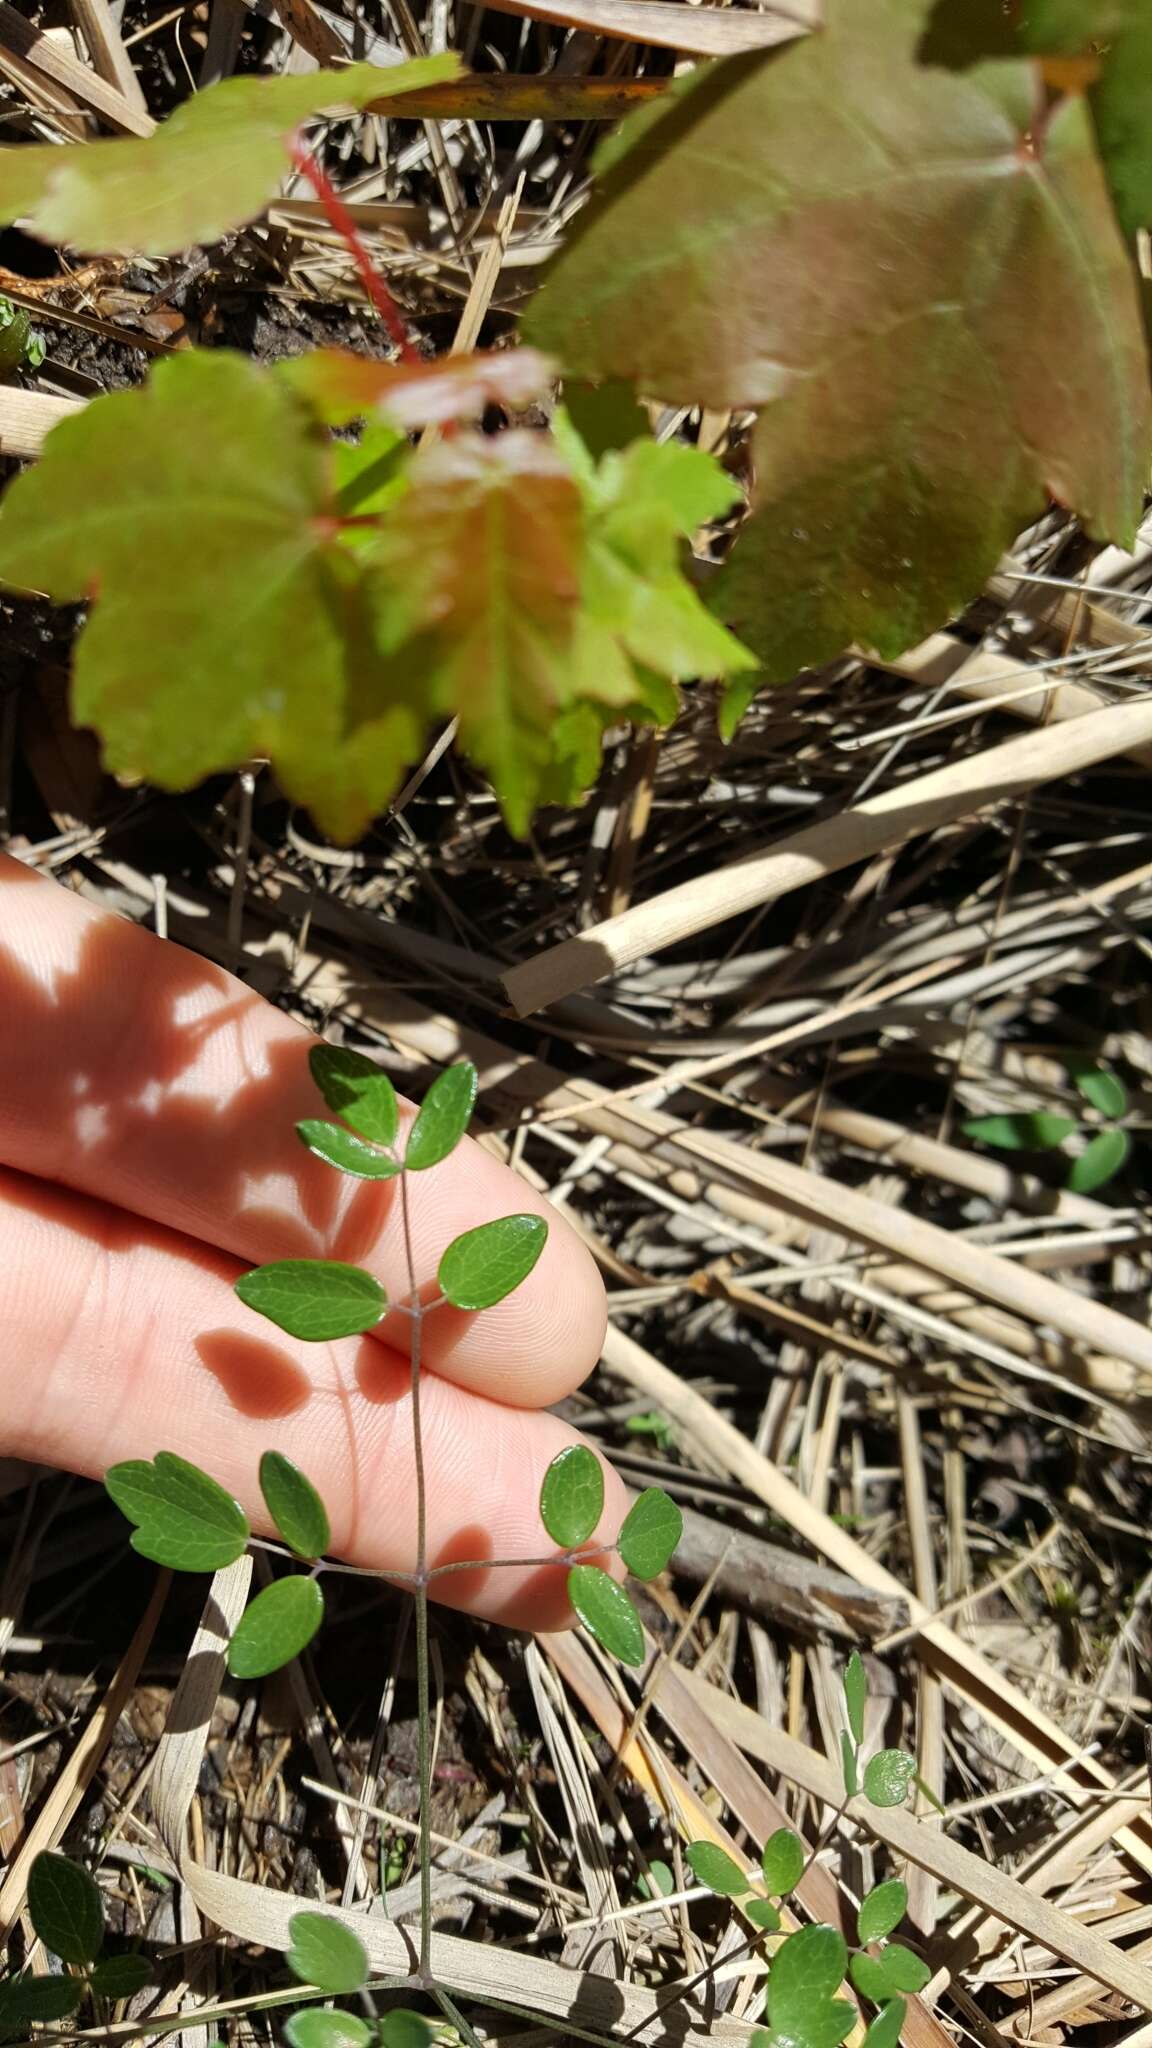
(1102, 1157)
(882, 1910)
(607, 1612)
(572, 1496)
(482, 1266)
(649, 1533)
(294, 1505)
(712, 1866)
(315, 2029)
(888, 1777)
(316, 1299)
(782, 1862)
(355, 1088)
(121, 1976)
(65, 1908)
(442, 1118)
(183, 1518)
(326, 1953)
(344, 1150)
(279, 1623)
(1033, 1130)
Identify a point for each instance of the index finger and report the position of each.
(140, 1073)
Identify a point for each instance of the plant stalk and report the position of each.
(420, 1598)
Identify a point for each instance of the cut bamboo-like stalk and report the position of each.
(27, 416)
(997, 775)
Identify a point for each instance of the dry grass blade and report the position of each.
(700, 31)
(999, 775)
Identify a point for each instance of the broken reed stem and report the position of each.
(341, 220)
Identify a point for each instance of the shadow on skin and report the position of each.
(258, 1378)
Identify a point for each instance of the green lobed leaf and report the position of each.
(403, 2028)
(882, 1909)
(893, 1971)
(1033, 1130)
(607, 1612)
(856, 1695)
(200, 508)
(1102, 1157)
(314, 2029)
(27, 2000)
(341, 1148)
(355, 1088)
(65, 1908)
(572, 1496)
(484, 572)
(121, 1976)
(183, 1518)
(327, 1954)
(712, 1866)
(649, 1533)
(483, 1266)
(213, 165)
(316, 1299)
(443, 1117)
(886, 240)
(884, 2031)
(762, 1913)
(294, 1505)
(279, 1623)
(1099, 1086)
(806, 1970)
(782, 1862)
(848, 1764)
(888, 1776)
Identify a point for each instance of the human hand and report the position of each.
(147, 1157)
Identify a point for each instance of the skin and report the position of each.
(147, 1157)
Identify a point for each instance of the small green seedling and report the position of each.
(808, 1968)
(1104, 1146)
(67, 1915)
(184, 1519)
(20, 347)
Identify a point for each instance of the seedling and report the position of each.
(808, 1968)
(184, 1519)
(67, 1915)
(21, 348)
(1104, 1146)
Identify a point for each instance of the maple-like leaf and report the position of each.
(932, 306)
(228, 621)
(1109, 45)
(260, 590)
(482, 573)
(214, 164)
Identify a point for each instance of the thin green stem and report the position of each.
(420, 1597)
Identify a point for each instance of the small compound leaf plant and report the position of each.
(1102, 1147)
(67, 1916)
(183, 1518)
(807, 1968)
(914, 194)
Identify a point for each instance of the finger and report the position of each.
(127, 1339)
(140, 1074)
